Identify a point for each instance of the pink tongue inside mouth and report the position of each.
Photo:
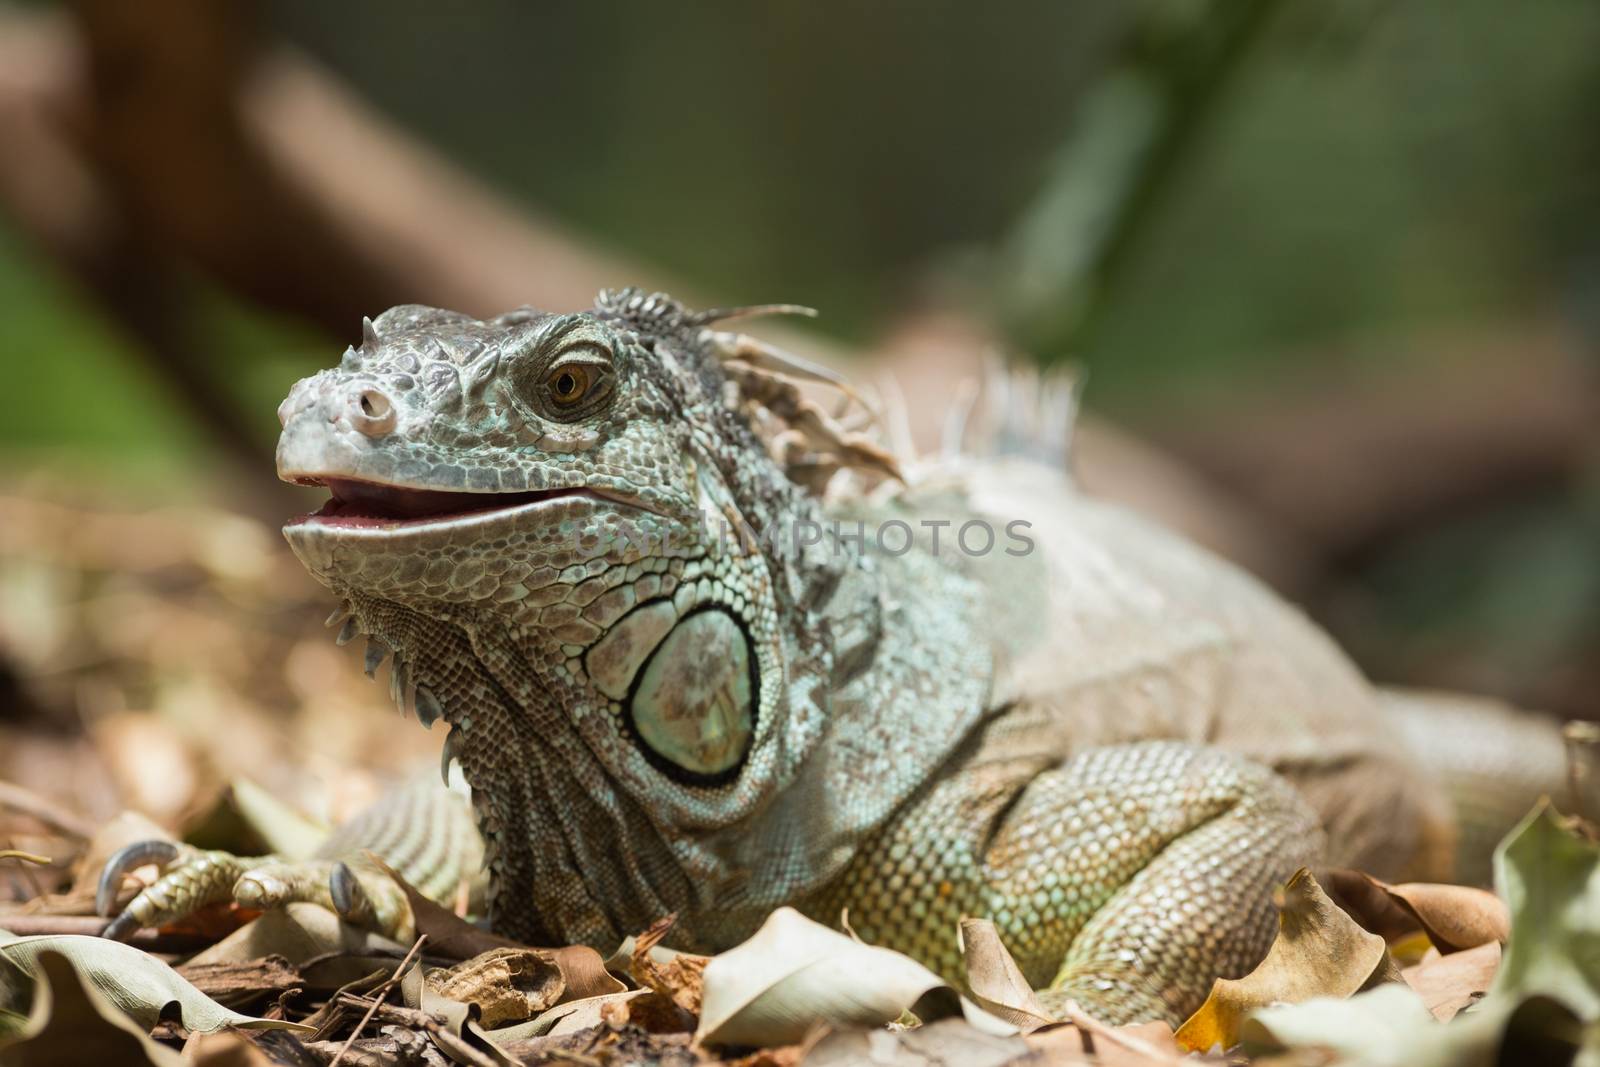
(355, 503)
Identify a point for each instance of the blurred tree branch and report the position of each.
(1132, 134)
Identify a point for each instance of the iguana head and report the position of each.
(533, 514)
(575, 534)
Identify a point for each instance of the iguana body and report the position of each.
(1111, 743)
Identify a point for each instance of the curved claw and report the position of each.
(122, 927)
(364, 895)
(125, 859)
(190, 880)
(349, 896)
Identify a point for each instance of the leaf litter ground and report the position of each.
(172, 677)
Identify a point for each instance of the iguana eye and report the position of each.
(568, 384)
(575, 385)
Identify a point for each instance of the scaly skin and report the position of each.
(1111, 743)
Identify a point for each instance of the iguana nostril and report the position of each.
(374, 412)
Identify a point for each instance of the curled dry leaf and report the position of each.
(509, 985)
(795, 973)
(138, 984)
(1449, 983)
(680, 979)
(995, 979)
(566, 1018)
(1454, 917)
(449, 935)
(72, 1022)
(1319, 952)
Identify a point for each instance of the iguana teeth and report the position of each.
(347, 632)
(428, 708)
(376, 654)
(340, 614)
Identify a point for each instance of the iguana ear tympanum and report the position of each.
(702, 648)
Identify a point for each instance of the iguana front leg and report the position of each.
(424, 831)
(1126, 878)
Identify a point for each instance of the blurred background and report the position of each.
(1332, 270)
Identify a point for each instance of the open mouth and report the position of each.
(365, 504)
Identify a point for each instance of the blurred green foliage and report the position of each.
(1367, 169)
(1345, 176)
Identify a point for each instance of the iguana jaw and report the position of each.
(355, 504)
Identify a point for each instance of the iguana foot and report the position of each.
(355, 888)
(190, 879)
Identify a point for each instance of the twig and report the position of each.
(26, 857)
(12, 852)
(29, 803)
(377, 998)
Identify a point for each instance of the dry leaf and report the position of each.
(1149, 1044)
(1449, 983)
(1319, 952)
(137, 983)
(73, 1023)
(795, 973)
(451, 936)
(565, 1018)
(298, 932)
(508, 985)
(995, 979)
(680, 979)
(1455, 917)
(946, 1043)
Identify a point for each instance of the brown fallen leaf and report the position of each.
(1450, 983)
(508, 985)
(1454, 917)
(680, 979)
(1320, 951)
(1366, 900)
(1149, 1044)
(451, 936)
(945, 1042)
(995, 979)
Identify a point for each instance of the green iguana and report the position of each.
(704, 648)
